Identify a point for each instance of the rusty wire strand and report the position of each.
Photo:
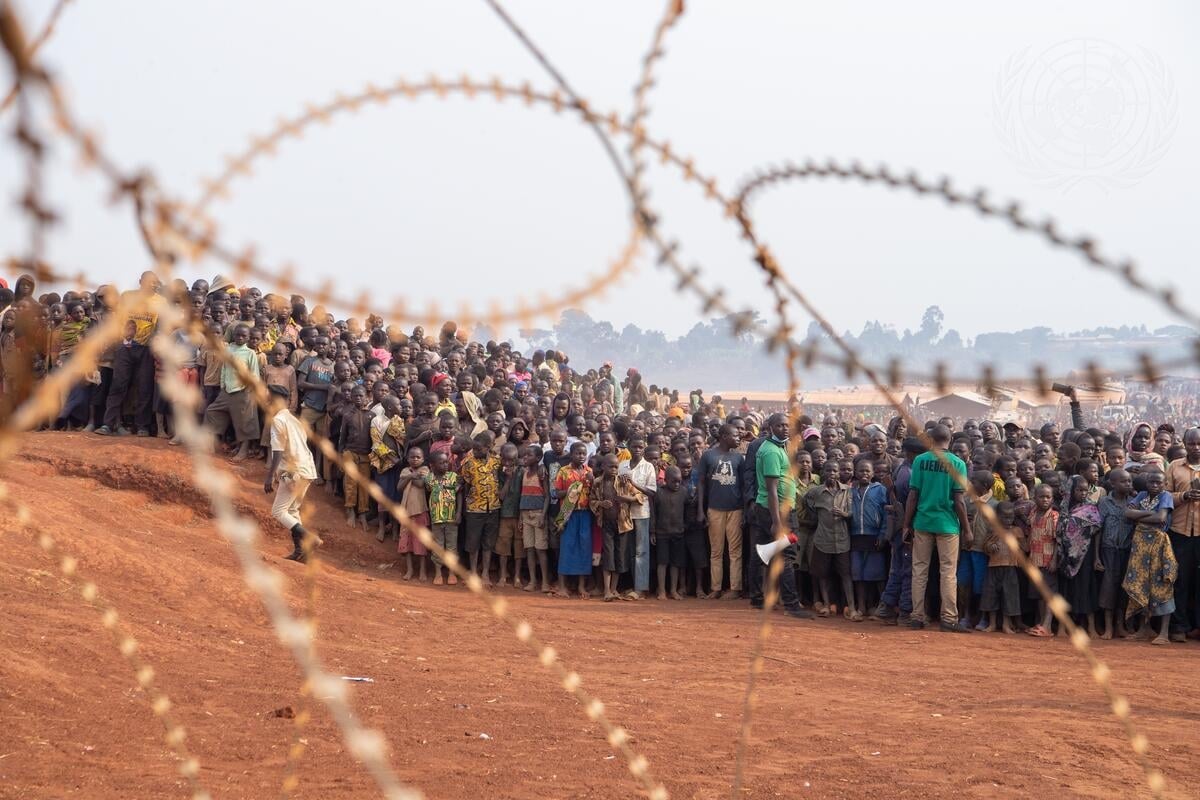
(1059, 607)
(199, 232)
(198, 239)
(714, 300)
(26, 74)
(32, 48)
(768, 264)
(367, 745)
(46, 399)
(298, 746)
(570, 680)
(126, 644)
(1048, 229)
(648, 221)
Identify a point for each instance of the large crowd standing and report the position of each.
(588, 483)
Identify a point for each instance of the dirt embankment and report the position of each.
(845, 711)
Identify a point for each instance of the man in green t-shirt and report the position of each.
(770, 511)
(934, 517)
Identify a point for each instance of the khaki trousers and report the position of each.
(725, 527)
(922, 552)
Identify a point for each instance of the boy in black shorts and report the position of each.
(695, 532)
(666, 532)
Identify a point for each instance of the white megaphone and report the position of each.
(767, 551)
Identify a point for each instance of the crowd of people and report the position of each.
(587, 483)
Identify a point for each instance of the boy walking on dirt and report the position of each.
(293, 464)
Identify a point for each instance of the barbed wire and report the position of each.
(196, 237)
(366, 745)
(766, 262)
(303, 714)
(193, 243)
(187, 232)
(1048, 229)
(32, 49)
(126, 644)
(636, 126)
(548, 657)
(46, 399)
(1054, 601)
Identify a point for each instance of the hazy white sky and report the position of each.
(1094, 104)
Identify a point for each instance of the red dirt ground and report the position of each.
(861, 710)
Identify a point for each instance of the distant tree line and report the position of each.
(710, 356)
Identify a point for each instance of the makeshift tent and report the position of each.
(958, 404)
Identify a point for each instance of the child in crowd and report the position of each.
(695, 533)
(1090, 470)
(1027, 472)
(1116, 540)
(410, 486)
(354, 445)
(845, 467)
(666, 532)
(642, 475)
(573, 484)
(1043, 554)
(480, 474)
(868, 536)
(1001, 588)
(616, 553)
(801, 522)
(508, 540)
(314, 377)
(234, 406)
(445, 513)
(1018, 495)
(387, 444)
(278, 372)
(1004, 467)
(1150, 579)
(1078, 546)
(447, 429)
(973, 560)
(554, 459)
(534, 507)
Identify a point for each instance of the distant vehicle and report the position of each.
(1116, 412)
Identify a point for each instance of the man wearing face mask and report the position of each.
(774, 498)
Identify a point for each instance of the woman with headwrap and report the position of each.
(1139, 448)
(22, 290)
(474, 408)
(753, 424)
(989, 430)
(1078, 528)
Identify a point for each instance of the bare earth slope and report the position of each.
(860, 710)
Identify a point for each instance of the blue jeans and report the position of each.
(641, 555)
(898, 591)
